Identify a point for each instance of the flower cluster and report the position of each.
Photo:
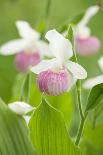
(58, 74)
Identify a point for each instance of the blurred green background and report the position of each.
(33, 12)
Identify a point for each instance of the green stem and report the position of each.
(47, 9)
(43, 25)
(82, 117)
(29, 86)
(80, 132)
(78, 87)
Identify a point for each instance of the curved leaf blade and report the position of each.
(95, 97)
(13, 133)
(48, 132)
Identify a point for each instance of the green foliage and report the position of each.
(94, 138)
(18, 87)
(69, 35)
(75, 20)
(48, 132)
(13, 133)
(95, 97)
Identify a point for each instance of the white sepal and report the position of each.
(44, 48)
(21, 108)
(82, 30)
(100, 62)
(26, 31)
(72, 80)
(44, 65)
(13, 47)
(77, 70)
(59, 45)
(88, 84)
(91, 11)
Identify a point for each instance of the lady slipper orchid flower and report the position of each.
(88, 84)
(29, 49)
(21, 108)
(85, 43)
(57, 75)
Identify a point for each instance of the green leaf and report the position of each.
(17, 89)
(94, 137)
(21, 87)
(95, 97)
(48, 132)
(7, 76)
(13, 133)
(75, 20)
(70, 35)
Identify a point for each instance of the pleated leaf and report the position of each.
(95, 97)
(48, 132)
(13, 133)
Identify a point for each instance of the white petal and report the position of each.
(82, 30)
(44, 48)
(91, 11)
(72, 80)
(88, 84)
(20, 108)
(100, 62)
(77, 70)
(26, 31)
(13, 47)
(59, 46)
(44, 65)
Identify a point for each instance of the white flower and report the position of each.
(88, 84)
(62, 50)
(82, 30)
(30, 41)
(21, 108)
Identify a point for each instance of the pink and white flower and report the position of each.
(85, 43)
(88, 84)
(57, 75)
(29, 49)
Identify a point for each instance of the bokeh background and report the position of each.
(60, 10)
(33, 11)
